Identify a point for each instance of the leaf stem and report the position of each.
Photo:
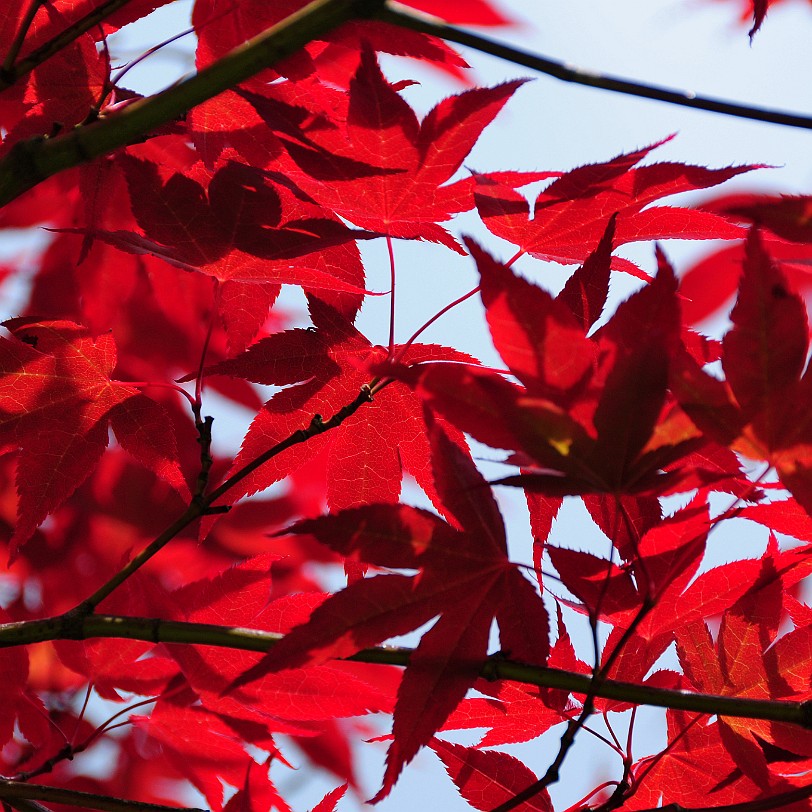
(391, 251)
(434, 318)
(570, 73)
(163, 384)
(114, 80)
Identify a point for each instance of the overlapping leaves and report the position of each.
(57, 400)
(762, 407)
(593, 414)
(465, 578)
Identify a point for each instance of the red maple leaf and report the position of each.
(240, 226)
(742, 662)
(473, 12)
(406, 197)
(513, 713)
(593, 414)
(465, 578)
(334, 56)
(369, 451)
(61, 91)
(295, 703)
(762, 409)
(486, 778)
(694, 770)
(329, 801)
(787, 216)
(569, 216)
(56, 402)
(198, 744)
(257, 792)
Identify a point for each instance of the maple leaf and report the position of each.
(487, 779)
(257, 792)
(787, 216)
(242, 227)
(130, 666)
(466, 579)
(474, 12)
(295, 703)
(329, 801)
(709, 285)
(741, 663)
(593, 415)
(21, 707)
(334, 56)
(369, 451)
(199, 744)
(406, 198)
(56, 402)
(59, 92)
(513, 713)
(762, 409)
(254, 189)
(759, 13)
(694, 769)
(570, 215)
(46, 26)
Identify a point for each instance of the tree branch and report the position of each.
(6, 72)
(16, 791)
(13, 71)
(580, 76)
(201, 505)
(758, 805)
(155, 630)
(317, 426)
(32, 161)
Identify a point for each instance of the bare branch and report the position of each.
(580, 76)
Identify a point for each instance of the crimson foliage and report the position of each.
(148, 604)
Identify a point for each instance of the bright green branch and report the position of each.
(32, 161)
(155, 630)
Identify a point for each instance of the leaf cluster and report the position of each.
(195, 612)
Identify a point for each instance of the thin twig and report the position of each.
(202, 505)
(317, 426)
(570, 73)
(19, 38)
(596, 682)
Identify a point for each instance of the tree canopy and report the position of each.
(184, 624)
